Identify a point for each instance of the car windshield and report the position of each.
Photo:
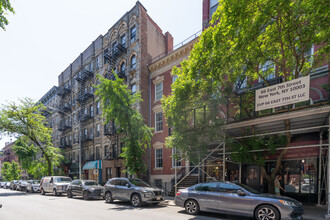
(248, 188)
(91, 183)
(62, 180)
(139, 183)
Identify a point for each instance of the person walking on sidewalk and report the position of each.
(278, 186)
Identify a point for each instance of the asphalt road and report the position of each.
(20, 205)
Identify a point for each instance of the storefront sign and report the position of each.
(295, 153)
(283, 94)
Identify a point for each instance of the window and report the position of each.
(70, 139)
(159, 91)
(91, 108)
(207, 187)
(98, 62)
(114, 46)
(159, 158)
(85, 132)
(97, 152)
(91, 133)
(133, 34)
(123, 40)
(176, 155)
(98, 130)
(159, 121)
(85, 111)
(123, 68)
(74, 155)
(267, 70)
(133, 62)
(174, 78)
(133, 88)
(98, 108)
(213, 6)
(228, 188)
(106, 150)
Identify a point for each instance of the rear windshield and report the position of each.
(139, 183)
(63, 180)
(91, 183)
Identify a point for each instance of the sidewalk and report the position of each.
(311, 212)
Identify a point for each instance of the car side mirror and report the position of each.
(240, 192)
(128, 185)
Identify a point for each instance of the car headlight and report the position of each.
(288, 203)
(147, 194)
(91, 190)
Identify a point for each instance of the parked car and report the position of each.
(13, 184)
(33, 186)
(2, 184)
(7, 186)
(85, 188)
(54, 184)
(21, 185)
(135, 191)
(237, 199)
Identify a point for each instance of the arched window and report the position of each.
(133, 62)
(123, 67)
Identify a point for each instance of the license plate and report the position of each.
(158, 197)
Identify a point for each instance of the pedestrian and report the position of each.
(278, 186)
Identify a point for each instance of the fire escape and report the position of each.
(85, 94)
(64, 110)
(111, 130)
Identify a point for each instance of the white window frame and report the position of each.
(159, 93)
(158, 122)
(159, 159)
(177, 161)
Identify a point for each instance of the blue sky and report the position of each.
(45, 36)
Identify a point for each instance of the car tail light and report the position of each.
(178, 193)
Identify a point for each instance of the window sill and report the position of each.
(156, 169)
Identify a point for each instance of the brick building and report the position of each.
(127, 48)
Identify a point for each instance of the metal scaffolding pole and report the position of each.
(320, 171)
(327, 216)
(224, 162)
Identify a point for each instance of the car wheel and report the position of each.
(42, 192)
(108, 197)
(267, 212)
(69, 194)
(191, 207)
(136, 200)
(55, 192)
(86, 195)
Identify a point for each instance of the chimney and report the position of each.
(168, 42)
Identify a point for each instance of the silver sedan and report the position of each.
(237, 199)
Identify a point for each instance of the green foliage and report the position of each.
(252, 150)
(118, 105)
(11, 171)
(5, 7)
(25, 121)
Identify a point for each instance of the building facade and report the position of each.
(125, 49)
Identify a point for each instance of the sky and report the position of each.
(44, 36)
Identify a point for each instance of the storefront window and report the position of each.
(300, 176)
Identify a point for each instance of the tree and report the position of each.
(11, 171)
(25, 120)
(118, 106)
(244, 38)
(4, 7)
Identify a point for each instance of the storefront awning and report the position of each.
(92, 165)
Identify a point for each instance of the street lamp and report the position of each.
(79, 131)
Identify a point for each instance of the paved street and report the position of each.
(19, 205)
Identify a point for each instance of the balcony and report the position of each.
(110, 129)
(85, 117)
(63, 126)
(65, 108)
(86, 74)
(63, 91)
(87, 138)
(65, 145)
(84, 97)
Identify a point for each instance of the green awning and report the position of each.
(90, 165)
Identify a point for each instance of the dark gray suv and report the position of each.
(133, 190)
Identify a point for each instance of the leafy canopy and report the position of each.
(11, 171)
(25, 121)
(118, 105)
(5, 7)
